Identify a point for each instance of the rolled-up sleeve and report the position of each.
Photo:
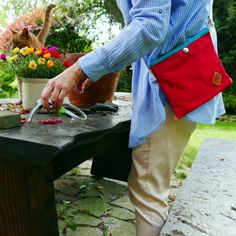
(147, 29)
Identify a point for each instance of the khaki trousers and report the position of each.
(153, 164)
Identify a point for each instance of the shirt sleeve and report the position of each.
(147, 29)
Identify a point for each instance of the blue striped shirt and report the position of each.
(152, 29)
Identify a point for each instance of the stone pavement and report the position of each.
(89, 207)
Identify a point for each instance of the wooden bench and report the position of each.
(206, 203)
(34, 155)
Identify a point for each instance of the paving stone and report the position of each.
(84, 231)
(86, 165)
(83, 169)
(121, 213)
(66, 189)
(91, 212)
(83, 180)
(74, 172)
(61, 226)
(204, 201)
(118, 227)
(63, 211)
(91, 192)
(86, 220)
(66, 180)
(90, 189)
(84, 172)
(9, 119)
(95, 206)
(72, 185)
(111, 190)
(123, 202)
(119, 216)
(60, 197)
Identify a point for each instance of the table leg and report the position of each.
(27, 201)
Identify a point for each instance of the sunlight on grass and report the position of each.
(220, 130)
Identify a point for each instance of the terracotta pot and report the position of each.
(101, 91)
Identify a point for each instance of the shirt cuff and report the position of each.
(92, 66)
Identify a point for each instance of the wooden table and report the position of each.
(34, 155)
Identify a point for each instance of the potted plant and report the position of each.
(99, 92)
(33, 69)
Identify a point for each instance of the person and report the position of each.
(152, 29)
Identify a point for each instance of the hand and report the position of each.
(57, 88)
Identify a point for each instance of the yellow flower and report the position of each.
(41, 61)
(15, 50)
(14, 58)
(50, 63)
(33, 65)
(10, 59)
(29, 50)
(38, 52)
(47, 55)
(23, 51)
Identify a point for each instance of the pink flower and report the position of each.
(52, 49)
(3, 56)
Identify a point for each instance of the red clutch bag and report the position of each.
(191, 74)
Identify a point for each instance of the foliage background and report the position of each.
(225, 19)
(75, 29)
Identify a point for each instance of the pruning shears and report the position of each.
(66, 110)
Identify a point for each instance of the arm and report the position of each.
(148, 28)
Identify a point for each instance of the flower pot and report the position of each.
(101, 91)
(31, 90)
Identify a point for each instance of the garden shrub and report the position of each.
(230, 103)
(8, 83)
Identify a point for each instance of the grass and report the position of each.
(220, 130)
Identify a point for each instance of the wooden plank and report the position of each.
(27, 200)
(206, 203)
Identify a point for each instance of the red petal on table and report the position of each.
(50, 121)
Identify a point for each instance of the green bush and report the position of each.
(230, 103)
(8, 84)
(124, 84)
(225, 19)
(66, 36)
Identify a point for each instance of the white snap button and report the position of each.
(185, 50)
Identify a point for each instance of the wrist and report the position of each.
(79, 74)
(84, 76)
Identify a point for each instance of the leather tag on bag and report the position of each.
(217, 79)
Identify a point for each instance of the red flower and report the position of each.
(67, 64)
(44, 51)
(55, 54)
